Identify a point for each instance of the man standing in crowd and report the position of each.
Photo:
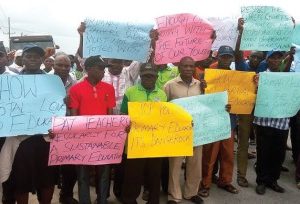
(183, 86)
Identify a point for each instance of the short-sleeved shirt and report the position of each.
(138, 93)
(92, 100)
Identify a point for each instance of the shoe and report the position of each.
(260, 189)
(298, 184)
(171, 202)
(145, 195)
(242, 181)
(68, 200)
(229, 188)
(284, 169)
(203, 192)
(196, 199)
(275, 187)
(215, 179)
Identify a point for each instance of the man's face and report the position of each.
(148, 81)
(32, 60)
(187, 68)
(224, 61)
(18, 61)
(116, 66)
(96, 73)
(62, 66)
(48, 63)
(255, 59)
(3, 59)
(274, 62)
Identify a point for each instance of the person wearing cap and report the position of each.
(135, 169)
(17, 64)
(222, 149)
(271, 140)
(183, 86)
(30, 170)
(5, 168)
(92, 97)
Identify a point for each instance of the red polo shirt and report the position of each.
(92, 100)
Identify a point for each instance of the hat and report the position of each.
(147, 68)
(34, 48)
(95, 61)
(225, 50)
(272, 52)
(2, 48)
(18, 53)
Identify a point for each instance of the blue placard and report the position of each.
(28, 102)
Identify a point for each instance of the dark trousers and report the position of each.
(68, 180)
(298, 170)
(270, 147)
(295, 136)
(134, 177)
(8, 196)
(119, 177)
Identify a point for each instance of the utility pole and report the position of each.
(9, 33)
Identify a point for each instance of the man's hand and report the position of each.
(256, 79)
(127, 128)
(228, 108)
(51, 134)
(203, 84)
(241, 25)
(67, 100)
(153, 34)
(81, 28)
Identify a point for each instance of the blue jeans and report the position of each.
(83, 175)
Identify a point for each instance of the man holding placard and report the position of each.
(135, 169)
(183, 86)
(92, 97)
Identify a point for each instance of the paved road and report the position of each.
(246, 195)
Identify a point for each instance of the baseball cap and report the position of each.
(272, 52)
(225, 50)
(147, 68)
(34, 48)
(95, 61)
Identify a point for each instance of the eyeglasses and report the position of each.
(95, 92)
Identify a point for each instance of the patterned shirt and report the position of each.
(278, 123)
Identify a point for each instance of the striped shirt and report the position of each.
(278, 123)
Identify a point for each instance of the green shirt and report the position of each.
(165, 75)
(138, 93)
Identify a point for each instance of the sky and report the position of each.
(60, 18)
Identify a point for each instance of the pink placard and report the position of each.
(182, 35)
(88, 140)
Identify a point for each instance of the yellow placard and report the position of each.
(159, 129)
(240, 87)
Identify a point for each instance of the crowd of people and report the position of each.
(100, 86)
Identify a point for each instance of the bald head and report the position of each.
(62, 66)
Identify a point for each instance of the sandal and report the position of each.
(230, 188)
(242, 181)
(203, 192)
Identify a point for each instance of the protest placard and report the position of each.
(226, 31)
(266, 28)
(88, 140)
(278, 95)
(120, 40)
(211, 120)
(182, 35)
(27, 103)
(240, 87)
(159, 129)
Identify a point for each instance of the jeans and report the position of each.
(102, 173)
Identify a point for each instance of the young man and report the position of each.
(183, 86)
(92, 97)
(62, 67)
(135, 169)
(271, 140)
(30, 170)
(245, 127)
(222, 149)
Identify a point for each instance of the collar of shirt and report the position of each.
(141, 88)
(179, 80)
(39, 71)
(98, 86)
(7, 71)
